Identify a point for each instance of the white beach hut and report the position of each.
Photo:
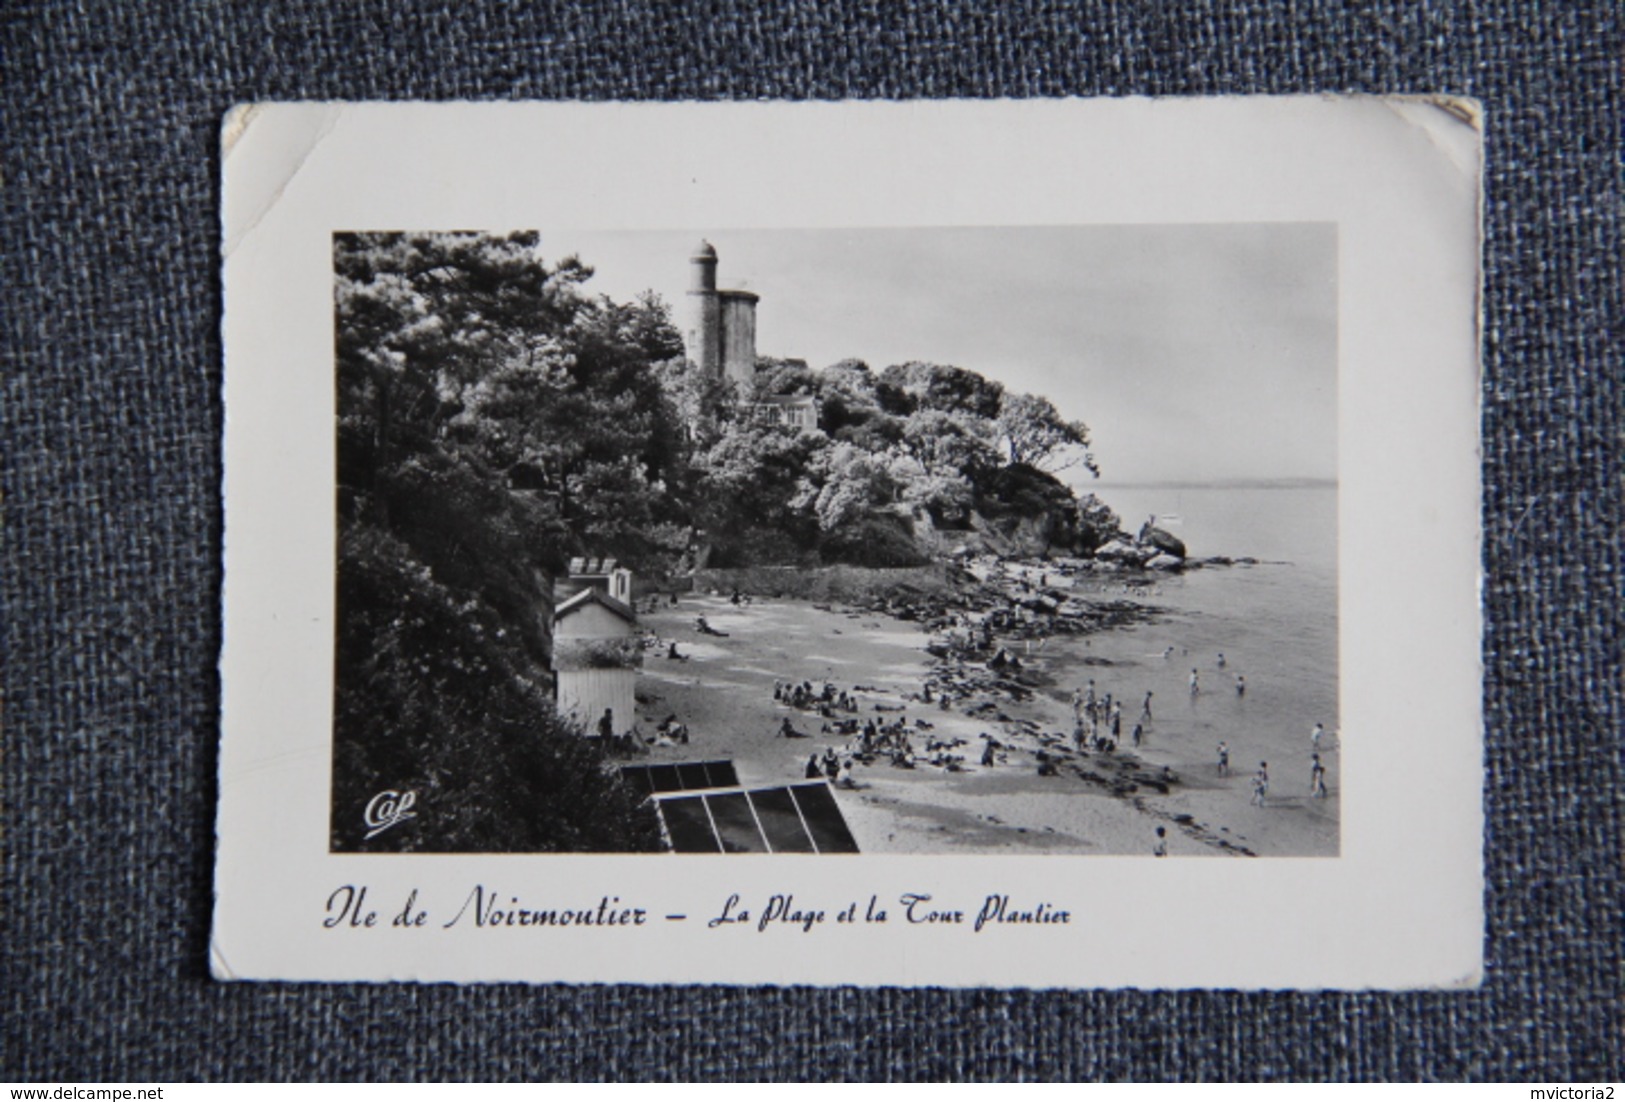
(596, 656)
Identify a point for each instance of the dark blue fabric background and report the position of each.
(112, 535)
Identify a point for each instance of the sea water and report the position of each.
(1275, 623)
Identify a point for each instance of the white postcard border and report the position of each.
(1399, 908)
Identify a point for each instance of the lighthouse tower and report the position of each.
(702, 338)
(720, 337)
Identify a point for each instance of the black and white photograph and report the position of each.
(960, 540)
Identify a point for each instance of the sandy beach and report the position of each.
(1084, 801)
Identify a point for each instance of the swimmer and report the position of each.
(1161, 849)
(1261, 783)
(1196, 684)
(1169, 653)
(1135, 735)
(1241, 685)
(1221, 660)
(1314, 736)
(1317, 778)
(1145, 709)
(1224, 759)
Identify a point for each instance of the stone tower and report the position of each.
(702, 337)
(720, 337)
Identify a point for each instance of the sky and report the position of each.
(1193, 352)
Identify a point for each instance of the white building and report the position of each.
(597, 650)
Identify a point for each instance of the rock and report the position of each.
(1115, 551)
(1166, 562)
(1162, 540)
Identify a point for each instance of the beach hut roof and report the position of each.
(591, 567)
(794, 818)
(581, 599)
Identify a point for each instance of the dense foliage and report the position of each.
(919, 459)
(495, 418)
(492, 419)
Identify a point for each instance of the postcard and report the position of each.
(1014, 544)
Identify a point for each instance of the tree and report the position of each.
(943, 387)
(776, 377)
(1036, 434)
(432, 699)
(945, 443)
(482, 398)
(582, 421)
(704, 405)
(420, 317)
(854, 484)
(757, 489)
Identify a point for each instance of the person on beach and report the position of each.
(1196, 682)
(606, 724)
(1161, 849)
(1224, 759)
(813, 772)
(671, 733)
(1317, 778)
(987, 750)
(1314, 736)
(1145, 709)
(1221, 660)
(1261, 783)
(1241, 685)
(1135, 735)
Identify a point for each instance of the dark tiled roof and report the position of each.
(591, 567)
